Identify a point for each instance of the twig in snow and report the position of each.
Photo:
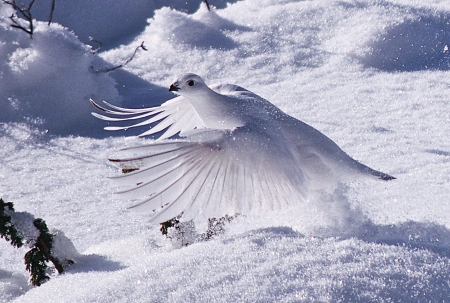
(207, 4)
(100, 45)
(52, 9)
(25, 13)
(107, 70)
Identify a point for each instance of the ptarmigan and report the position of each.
(236, 153)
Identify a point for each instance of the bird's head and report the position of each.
(187, 84)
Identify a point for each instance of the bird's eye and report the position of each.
(190, 82)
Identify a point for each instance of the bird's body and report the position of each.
(238, 153)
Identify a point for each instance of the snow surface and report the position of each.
(372, 75)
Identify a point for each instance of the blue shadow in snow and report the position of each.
(414, 45)
(94, 262)
(411, 235)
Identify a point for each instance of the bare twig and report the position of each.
(207, 4)
(107, 70)
(52, 9)
(100, 45)
(25, 13)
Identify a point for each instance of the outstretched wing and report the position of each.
(212, 174)
(175, 116)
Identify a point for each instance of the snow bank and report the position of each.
(110, 23)
(264, 265)
(48, 80)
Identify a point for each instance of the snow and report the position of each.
(49, 76)
(372, 75)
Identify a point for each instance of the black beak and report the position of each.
(173, 88)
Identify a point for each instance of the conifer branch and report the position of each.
(7, 229)
(40, 254)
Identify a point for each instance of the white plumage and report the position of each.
(238, 153)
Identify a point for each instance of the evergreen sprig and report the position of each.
(35, 262)
(39, 255)
(45, 243)
(7, 229)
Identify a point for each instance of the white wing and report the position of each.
(212, 174)
(174, 116)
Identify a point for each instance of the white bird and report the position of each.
(238, 153)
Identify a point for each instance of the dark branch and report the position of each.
(40, 254)
(52, 9)
(30, 5)
(7, 229)
(25, 13)
(44, 243)
(207, 4)
(100, 45)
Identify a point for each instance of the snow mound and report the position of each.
(110, 23)
(48, 80)
(273, 264)
(418, 42)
